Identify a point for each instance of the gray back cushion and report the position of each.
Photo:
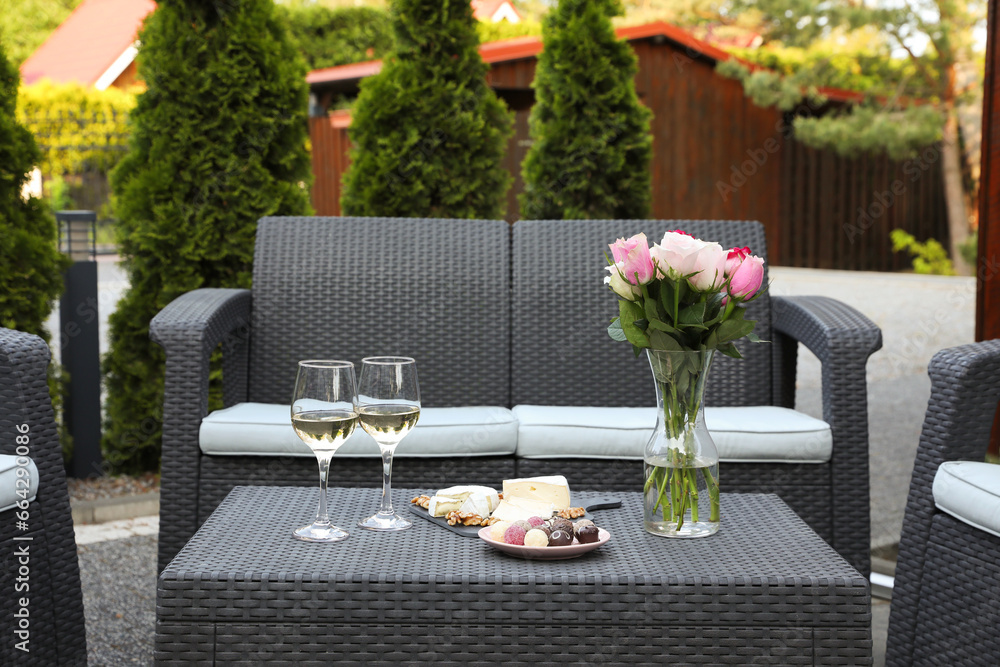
(347, 288)
(561, 352)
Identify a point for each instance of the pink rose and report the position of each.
(633, 255)
(746, 273)
(734, 258)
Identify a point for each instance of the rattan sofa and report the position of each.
(496, 315)
(39, 563)
(946, 596)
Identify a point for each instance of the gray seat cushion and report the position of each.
(970, 492)
(265, 429)
(12, 491)
(745, 434)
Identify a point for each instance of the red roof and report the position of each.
(87, 43)
(529, 47)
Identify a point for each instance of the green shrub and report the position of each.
(329, 37)
(969, 249)
(591, 145)
(428, 134)
(218, 140)
(30, 264)
(79, 128)
(929, 257)
(492, 32)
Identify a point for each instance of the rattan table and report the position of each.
(765, 590)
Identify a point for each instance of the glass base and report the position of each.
(320, 532)
(689, 529)
(380, 521)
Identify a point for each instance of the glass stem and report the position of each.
(322, 515)
(386, 507)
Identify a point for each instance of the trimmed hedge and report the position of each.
(329, 37)
(591, 144)
(79, 128)
(30, 264)
(218, 140)
(428, 134)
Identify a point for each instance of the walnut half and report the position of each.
(468, 519)
(572, 513)
(422, 501)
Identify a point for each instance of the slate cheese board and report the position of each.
(594, 504)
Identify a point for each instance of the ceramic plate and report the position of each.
(546, 553)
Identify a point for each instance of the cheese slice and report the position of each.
(464, 492)
(551, 489)
(477, 503)
(441, 505)
(522, 509)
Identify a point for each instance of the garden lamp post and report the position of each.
(80, 341)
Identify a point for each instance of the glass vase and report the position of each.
(681, 491)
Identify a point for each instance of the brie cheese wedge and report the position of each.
(521, 509)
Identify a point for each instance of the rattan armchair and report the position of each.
(40, 562)
(946, 596)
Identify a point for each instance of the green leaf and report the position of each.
(615, 331)
(667, 298)
(661, 340)
(754, 338)
(693, 315)
(734, 329)
(652, 308)
(662, 326)
(713, 307)
(628, 313)
(729, 349)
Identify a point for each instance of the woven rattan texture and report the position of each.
(348, 288)
(218, 473)
(804, 487)
(561, 352)
(965, 390)
(50, 569)
(189, 329)
(243, 568)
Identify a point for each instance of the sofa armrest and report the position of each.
(842, 339)
(189, 329)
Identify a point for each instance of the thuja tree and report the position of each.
(428, 133)
(218, 140)
(30, 264)
(591, 145)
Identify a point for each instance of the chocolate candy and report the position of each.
(562, 524)
(560, 538)
(587, 534)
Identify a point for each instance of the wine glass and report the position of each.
(388, 407)
(324, 416)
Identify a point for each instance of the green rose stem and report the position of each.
(682, 476)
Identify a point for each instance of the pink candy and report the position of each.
(514, 535)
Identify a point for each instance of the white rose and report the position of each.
(619, 285)
(676, 254)
(710, 263)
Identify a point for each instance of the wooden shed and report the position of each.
(715, 155)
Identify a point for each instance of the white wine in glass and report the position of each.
(388, 408)
(324, 414)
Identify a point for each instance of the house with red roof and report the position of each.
(495, 11)
(95, 46)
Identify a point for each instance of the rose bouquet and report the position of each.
(682, 300)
